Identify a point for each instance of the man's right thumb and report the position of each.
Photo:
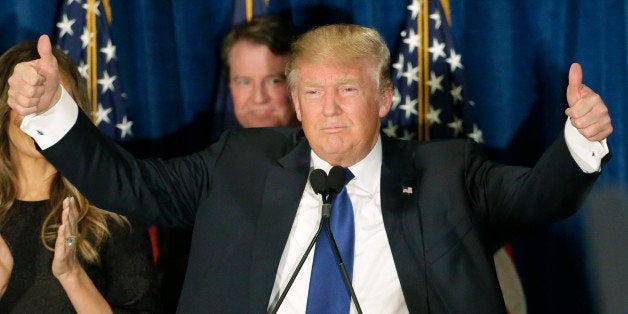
(44, 48)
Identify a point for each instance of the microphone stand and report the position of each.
(274, 309)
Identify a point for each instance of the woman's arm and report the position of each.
(66, 268)
(6, 266)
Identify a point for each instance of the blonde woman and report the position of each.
(59, 253)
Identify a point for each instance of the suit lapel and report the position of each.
(283, 190)
(402, 221)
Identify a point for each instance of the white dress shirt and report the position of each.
(375, 279)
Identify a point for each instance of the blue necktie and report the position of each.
(327, 292)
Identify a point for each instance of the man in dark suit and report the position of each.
(428, 216)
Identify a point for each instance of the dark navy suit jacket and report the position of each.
(241, 194)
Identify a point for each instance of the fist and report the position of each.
(587, 111)
(34, 85)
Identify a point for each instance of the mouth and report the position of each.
(333, 129)
(261, 112)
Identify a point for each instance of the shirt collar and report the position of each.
(366, 171)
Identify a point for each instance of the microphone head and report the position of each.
(336, 179)
(318, 180)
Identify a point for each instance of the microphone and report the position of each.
(327, 186)
(318, 180)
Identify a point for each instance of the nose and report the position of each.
(260, 94)
(330, 104)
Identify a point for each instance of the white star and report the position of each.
(398, 66)
(82, 68)
(109, 51)
(92, 7)
(409, 107)
(396, 99)
(65, 26)
(414, 7)
(70, 1)
(476, 135)
(412, 74)
(125, 127)
(407, 135)
(434, 115)
(390, 129)
(437, 50)
(85, 37)
(412, 40)
(436, 18)
(102, 114)
(456, 93)
(435, 82)
(456, 125)
(454, 60)
(107, 82)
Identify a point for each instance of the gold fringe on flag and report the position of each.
(92, 56)
(423, 129)
(105, 4)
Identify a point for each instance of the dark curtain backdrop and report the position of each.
(516, 56)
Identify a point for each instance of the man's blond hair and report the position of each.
(341, 44)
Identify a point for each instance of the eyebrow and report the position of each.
(340, 81)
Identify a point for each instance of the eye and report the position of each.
(312, 92)
(240, 81)
(348, 89)
(276, 80)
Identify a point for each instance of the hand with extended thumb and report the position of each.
(34, 85)
(587, 110)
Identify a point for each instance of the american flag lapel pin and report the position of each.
(406, 190)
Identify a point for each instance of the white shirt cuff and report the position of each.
(588, 155)
(51, 126)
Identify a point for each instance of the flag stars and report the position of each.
(125, 127)
(414, 7)
(476, 135)
(437, 19)
(409, 107)
(86, 37)
(65, 26)
(92, 7)
(106, 82)
(412, 40)
(407, 135)
(82, 68)
(456, 126)
(411, 74)
(396, 99)
(102, 115)
(434, 115)
(109, 51)
(456, 92)
(390, 129)
(398, 66)
(454, 60)
(437, 50)
(435, 82)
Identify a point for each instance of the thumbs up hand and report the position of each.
(34, 85)
(587, 111)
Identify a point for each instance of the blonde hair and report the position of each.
(341, 44)
(92, 221)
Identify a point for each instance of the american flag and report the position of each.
(84, 35)
(429, 98)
